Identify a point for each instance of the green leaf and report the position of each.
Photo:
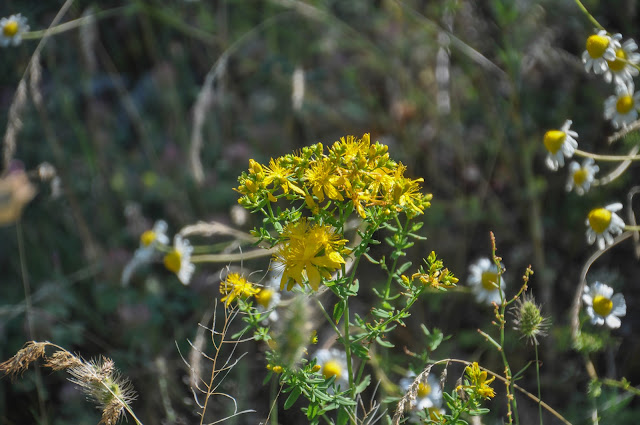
(364, 384)
(403, 268)
(384, 343)
(343, 417)
(338, 310)
(292, 398)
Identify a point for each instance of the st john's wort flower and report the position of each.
(560, 144)
(581, 177)
(483, 280)
(622, 107)
(603, 224)
(600, 48)
(603, 307)
(236, 286)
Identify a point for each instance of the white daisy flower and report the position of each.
(560, 144)
(269, 297)
(621, 70)
(622, 107)
(333, 362)
(149, 241)
(600, 49)
(179, 259)
(581, 178)
(483, 279)
(12, 29)
(429, 392)
(603, 224)
(602, 306)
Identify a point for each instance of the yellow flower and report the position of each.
(278, 174)
(308, 252)
(479, 382)
(236, 286)
(323, 179)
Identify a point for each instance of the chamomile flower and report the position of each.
(483, 279)
(600, 49)
(333, 362)
(622, 107)
(268, 298)
(12, 29)
(603, 224)
(581, 177)
(560, 144)
(178, 260)
(149, 242)
(429, 392)
(603, 307)
(621, 70)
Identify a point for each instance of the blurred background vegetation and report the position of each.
(461, 91)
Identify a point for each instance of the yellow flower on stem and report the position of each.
(308, 253)
(278, 174)
(478, 381)
(322, 177)
(236, 286)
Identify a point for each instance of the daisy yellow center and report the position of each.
(264, 297)
(602, 305)
(553, 140)
(624, 104)
(597, 45)
(490, 280)
(332, 368)
(423, 390)
(173, 261)
(10, 29)
(580, 176)
(618, 64)
(599, 219)
(147, 237)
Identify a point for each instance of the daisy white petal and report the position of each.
(560, 144)
(483, 280)
(602, 306)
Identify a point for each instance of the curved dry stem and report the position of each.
(617, 172)
(577, 299)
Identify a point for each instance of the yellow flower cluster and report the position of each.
(308, 252)
(353, 170)
(478, 381)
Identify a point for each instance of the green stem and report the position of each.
(632, 228)
(589, 16)
(391, 271)
(538, 381)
